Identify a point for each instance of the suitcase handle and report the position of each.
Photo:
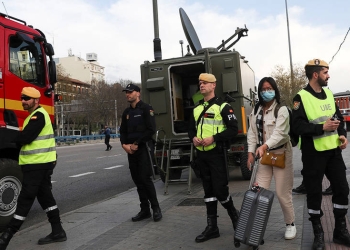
(255, 169)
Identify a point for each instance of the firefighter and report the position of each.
(37, 158)
(137, 128)
(319, 122)
(211, 125)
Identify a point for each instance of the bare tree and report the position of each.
(283, 80)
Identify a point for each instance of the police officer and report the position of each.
(212, 124)
(319, 122)
(37, 159)
(137, 128)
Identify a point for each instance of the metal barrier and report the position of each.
(75, 138)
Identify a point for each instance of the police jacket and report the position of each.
(138, 124)
(308, 131)
(37, 142)
(219, 117)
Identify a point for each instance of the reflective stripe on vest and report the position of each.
(43, 148)
(210, 124)
(317, 112)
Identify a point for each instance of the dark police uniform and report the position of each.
(316, 164)
(211, 160)
(138, 127)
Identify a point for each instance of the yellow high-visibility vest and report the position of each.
(43, 148)
(211, 122)
(317, 112)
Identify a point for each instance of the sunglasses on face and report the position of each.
(26, 98)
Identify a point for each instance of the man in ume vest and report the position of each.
(317, 119)
(37, 159)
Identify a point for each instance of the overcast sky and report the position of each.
(121, 31)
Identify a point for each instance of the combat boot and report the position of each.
(234, 215)
(211, 231)
(57, 235)
(319, 235)
(340, 233)
(6, 237)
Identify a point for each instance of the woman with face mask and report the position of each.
(268, 131)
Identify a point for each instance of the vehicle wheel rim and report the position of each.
(10, 187)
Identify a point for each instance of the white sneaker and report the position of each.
(291, 232)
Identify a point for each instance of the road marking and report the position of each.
(78, 175)
(107, 156)
(118, 166)
(53, 181)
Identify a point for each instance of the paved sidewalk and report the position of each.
(107, 225)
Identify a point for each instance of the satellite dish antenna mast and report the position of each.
(157, 48)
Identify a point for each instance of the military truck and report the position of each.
(169, 85)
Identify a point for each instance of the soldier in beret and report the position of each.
(317, 119)
(37, 159)
(212, 124)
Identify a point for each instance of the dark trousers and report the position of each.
(214, 177)
(107, 138)
(140, 169)
(36, 184)
(331, 164)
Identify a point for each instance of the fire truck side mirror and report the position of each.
(58, 98)
(52, 73)
(49, 49)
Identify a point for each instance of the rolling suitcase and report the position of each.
(254, 214)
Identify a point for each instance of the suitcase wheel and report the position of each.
(237, 243)
(255, 248)
(262, 242)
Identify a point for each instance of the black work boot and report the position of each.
(319, 235)
(234, 215)
(328, 191)
(299, 190)
(6, 237)
(143, 214)
(157, 214)
(51, 238)
(211, 231)
(340, 233)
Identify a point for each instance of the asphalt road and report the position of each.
(85, 174)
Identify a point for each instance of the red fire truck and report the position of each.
(343, 101)
(23, 63)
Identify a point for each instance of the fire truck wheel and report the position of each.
(10, 187)
(246, 173)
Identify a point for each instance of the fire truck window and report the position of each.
(26, 61)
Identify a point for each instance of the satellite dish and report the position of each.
(190, 33)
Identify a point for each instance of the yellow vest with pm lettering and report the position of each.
(43, 148)
(211, 123)
(317, 112)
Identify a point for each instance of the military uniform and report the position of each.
(220, 122)
(321, 157)
(37, 159)
(321, 154)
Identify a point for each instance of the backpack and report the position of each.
(294, 139)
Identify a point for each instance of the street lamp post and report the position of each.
(290, 52)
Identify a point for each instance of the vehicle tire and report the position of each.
(10, 186)
(246, 173)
